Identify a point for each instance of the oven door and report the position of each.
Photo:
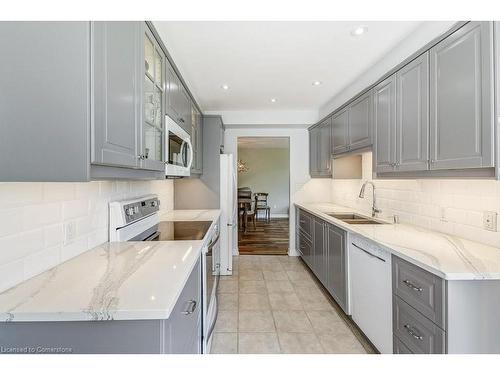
(212, 275)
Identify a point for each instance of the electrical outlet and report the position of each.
(69, 232)
(490, 220)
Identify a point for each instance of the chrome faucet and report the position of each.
(375, 210)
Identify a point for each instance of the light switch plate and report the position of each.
(69, 232)
(490, 220)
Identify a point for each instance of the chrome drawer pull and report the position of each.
(412, 333)
(409, 284)
(191, 308)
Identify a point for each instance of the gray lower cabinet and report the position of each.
(320, 150)
(181, 333)
(419, 308)
(340, 135)
(320, 250)
(412, 116)
(384, 98)
(322, 246)
(461, 99)
(336, 264)
(185, 319)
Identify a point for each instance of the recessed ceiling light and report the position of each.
(317, 83)
(224, 87)
(360, 30)
(274, 100)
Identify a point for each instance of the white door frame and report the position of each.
(298, 161)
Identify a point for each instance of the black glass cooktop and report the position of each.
(182, 230)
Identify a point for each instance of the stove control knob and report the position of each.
(136, 209)
(129, 211)
(153, 204)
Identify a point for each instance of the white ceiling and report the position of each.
(262, 142)
(261, 60)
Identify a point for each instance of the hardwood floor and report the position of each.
(267, 239)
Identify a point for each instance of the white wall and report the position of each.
(268, 172)
(33, 216)
(419, 38)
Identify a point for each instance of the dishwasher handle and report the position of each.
(367, 252)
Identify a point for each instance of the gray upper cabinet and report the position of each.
(197, 141)
(45, 101)
(324, 151)
(461, 99)
(412, 115)
(320, 150)
(313, 151)
(178, 100)
(384, 98)
(340, 135)
(153, 106)
(360, 122)
(116, 101)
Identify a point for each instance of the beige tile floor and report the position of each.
(273, 304)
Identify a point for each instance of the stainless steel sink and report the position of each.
(351, 218)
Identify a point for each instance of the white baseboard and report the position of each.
(279, 216)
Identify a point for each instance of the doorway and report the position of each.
(263, 170)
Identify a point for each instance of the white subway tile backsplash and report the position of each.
(11, 274)
(32, 218)
(74, 209)
(53, 235)
(450, 206)
(41, 261)
(20, 245)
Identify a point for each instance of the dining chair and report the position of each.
(262, 205)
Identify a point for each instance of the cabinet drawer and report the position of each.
(305, 223)
(414, 330)
(186, 315)
(399, 347)
(420, 289)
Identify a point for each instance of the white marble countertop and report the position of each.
(447, 256)
(116, 280)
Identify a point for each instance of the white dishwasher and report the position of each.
(371, 291)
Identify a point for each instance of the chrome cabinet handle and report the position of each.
(412, 332)
(181, 119)
(409, 284)
(191, 307)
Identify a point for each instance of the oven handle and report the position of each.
(152, 237)
(214, 242)
(212, 325)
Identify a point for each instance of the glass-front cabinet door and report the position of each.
(154, 104)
